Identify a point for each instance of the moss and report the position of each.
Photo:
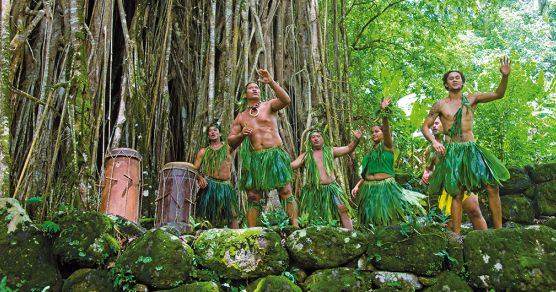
(338, 279)
(86, 239)
(512, 259)
(519, 181)
(89, 280)
(125, 227)
(543, 173)
(392, 251)
(545, 198)
(449, 281)
(158, 259)
(517, 208)
(241, 253)
(551, 223)
(31, 264)
(405, 281)
(320, 247)
(273, 283)
(196, 287)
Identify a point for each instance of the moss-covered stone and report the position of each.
(517, 208)
(89, 280)
(531, 192)
(449, 281)
(196, 287)
(86, 239)
(518, 259)
(27, 262)
(241, 253)
(519, 181)
(125, 227)
(386, 279)
(272, 283)
(158, 259)
(319, 247)
(338, 279)
(416, 253)
(456, 262)
(545, 199)
(12, 216)
(551, 222)
(543, 173)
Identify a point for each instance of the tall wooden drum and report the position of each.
(122, 184)
(176, 193)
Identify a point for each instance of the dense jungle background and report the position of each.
(81, 77)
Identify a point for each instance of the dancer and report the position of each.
(217, 200)
(322, 198)
(382, 201)
(463, 165)
(265, 163)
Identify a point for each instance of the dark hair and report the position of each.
(445, 77)
(248, 83)
(379, 126)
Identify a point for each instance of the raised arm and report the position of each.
(505, 70)
(282, 98)
(299, 161)
(426, 128)
(388, 142)
(341, 151)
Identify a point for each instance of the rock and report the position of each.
(241, 253)
(517, 208)
(196, 287)
(176, 228)
(338, 279)
(551, 222)
(519, 181)
(449, 281)
(545, 199)
(126, 228)
(86, 239)
(272, 283)
(518, 259)
(531, 192)
(543, 173)
(89, 280)
(157, 259)
(12, 216)
(392, 251)
(456, 262)
(385, 278)
(319, 247)
(27, 261)
(364, 263)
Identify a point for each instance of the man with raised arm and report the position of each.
(322, 198)
(470, 202)
(217, 200)
(463, 165)
(265, 163)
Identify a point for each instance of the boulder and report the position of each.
(449, 281)
(422, 252)
(519, 181)
(551, 222)
(319, 247)
(27, 260)
(196, 287)
(545, 199)
(338, 279)
(273, 283)
(388, 279)
(158, 259)
(86, 239)
(543, 172)
(517, 208)
(517, 259)
(89, 280)
(241, 253)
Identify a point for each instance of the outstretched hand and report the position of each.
(385, 102)
(505, 68)
(265, 77)
(358, 133)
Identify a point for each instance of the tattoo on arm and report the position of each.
(433, 113)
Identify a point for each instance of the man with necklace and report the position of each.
(265, 163)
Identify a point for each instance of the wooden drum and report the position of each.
(176, 193)
(122, 184)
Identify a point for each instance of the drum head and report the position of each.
(180, 165)
(127, 152)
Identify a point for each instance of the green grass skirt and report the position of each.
(268, 169)
(217, 202)
(384, 203)
(466, 166)
(320, 203)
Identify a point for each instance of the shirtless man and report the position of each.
(463, 165)
(470, 202)
(217, 199)
(265, 164)
(322, 197)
